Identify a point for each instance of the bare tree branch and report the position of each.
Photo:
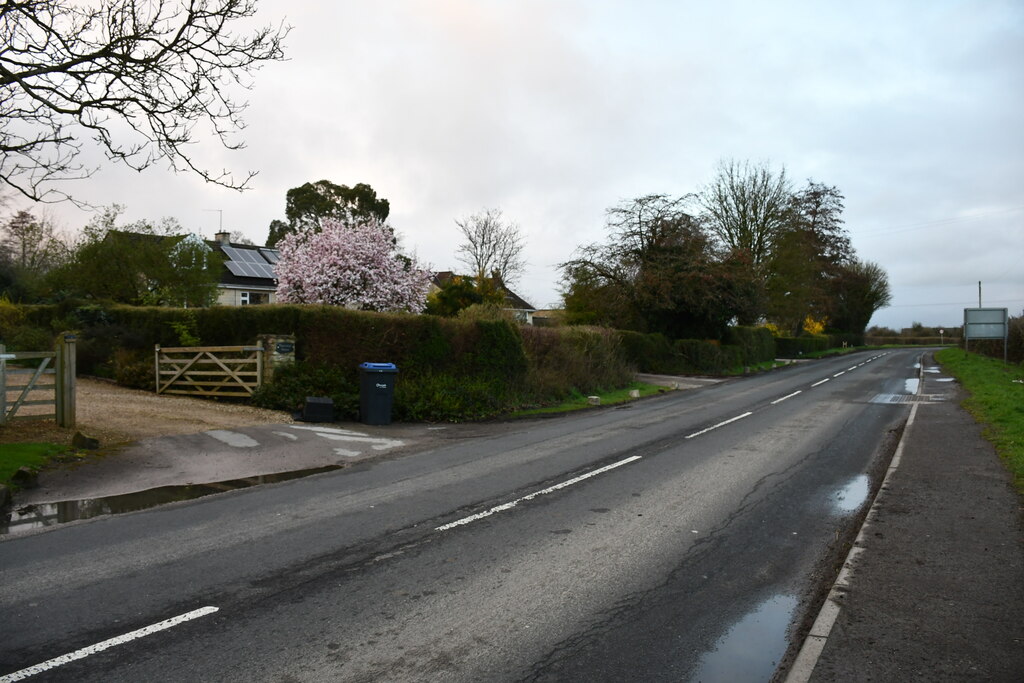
(492, 244)
(745, 206)
(135, 76)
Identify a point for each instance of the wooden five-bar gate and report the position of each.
(210, 371)
(31, 382)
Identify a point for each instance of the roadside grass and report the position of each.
(756, 367)
(579, 401)
(32, 455)
(996, 399)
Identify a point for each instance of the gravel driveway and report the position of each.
(115, 415)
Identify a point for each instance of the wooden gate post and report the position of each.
(65, 384)
(3, 384)
(278, 350)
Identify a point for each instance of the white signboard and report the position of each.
(986, 323)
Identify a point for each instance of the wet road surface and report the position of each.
(674, 539)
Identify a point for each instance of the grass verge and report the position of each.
(33, 455)
(757, 367)
(579, 401)
(996, 399)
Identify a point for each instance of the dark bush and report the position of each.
(292, 384)
(795, 347)
(756, 344)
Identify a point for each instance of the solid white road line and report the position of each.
(550, 489)
(720, 424)
(105, 645)
(780, 400)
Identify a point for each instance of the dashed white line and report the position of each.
(839, 374)
(821, 382)
(106, 645)
(531, 496)
(720, 424)
(780, 400)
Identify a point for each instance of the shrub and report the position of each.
(794, 347)
(292, 384)
(26, 338)
(756, 344)
(134, 368)
(443, 397)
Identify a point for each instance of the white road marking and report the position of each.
(720, 424)
(286, 435)
(780, 400)
(106, 645)
(233, 438)
(345, 453)
(375, 443)
(330, 430)
(838, 374)
(531, 496)
(821, 382)
(852, 369)
(348, 436)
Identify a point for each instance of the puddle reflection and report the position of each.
(43, 515)
(752, 648)
(852, 496)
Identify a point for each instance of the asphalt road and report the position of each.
(676, 538)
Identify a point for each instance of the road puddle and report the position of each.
(752, 647)
(29, 517)
(852, 496)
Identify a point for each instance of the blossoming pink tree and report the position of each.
(350, 264)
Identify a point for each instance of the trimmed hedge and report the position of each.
(795, 347)
(756, 344)
(449, 368)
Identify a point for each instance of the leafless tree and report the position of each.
(33, 244)
(745, 205)
(136, 76)
(491, 245)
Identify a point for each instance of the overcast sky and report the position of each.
(555, 110)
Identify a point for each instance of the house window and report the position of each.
(252, 298)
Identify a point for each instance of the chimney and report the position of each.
(222, 238)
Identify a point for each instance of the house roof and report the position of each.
(246, 264)
(512, 300)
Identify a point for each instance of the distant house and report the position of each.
(248, 274)
(519, 307)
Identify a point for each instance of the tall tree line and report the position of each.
(748, 248)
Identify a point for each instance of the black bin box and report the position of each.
(376, 392)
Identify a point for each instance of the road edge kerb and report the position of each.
(817, 637)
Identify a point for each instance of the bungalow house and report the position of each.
(248, 274)
(520, 308)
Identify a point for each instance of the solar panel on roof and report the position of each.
(250, 263)
(242, 255)
(272, 255)
(264, 269)
(235, 268)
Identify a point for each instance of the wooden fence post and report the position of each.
(65, 376)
